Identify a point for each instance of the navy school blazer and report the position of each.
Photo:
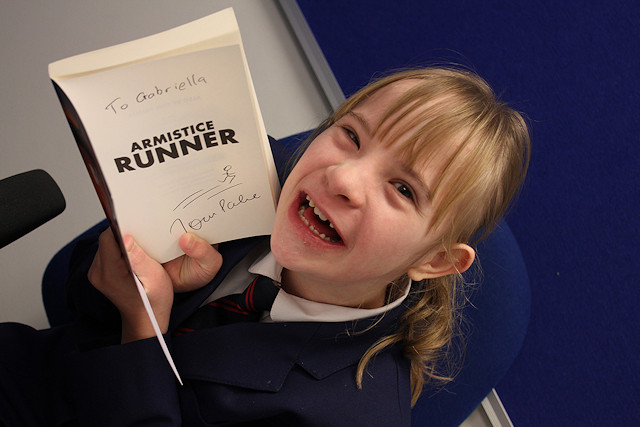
(291, 373)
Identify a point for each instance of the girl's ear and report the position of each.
(438, 263)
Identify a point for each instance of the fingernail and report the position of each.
(128, 243)
(189, 241)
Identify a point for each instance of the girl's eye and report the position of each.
(352, 135)
(405, 190)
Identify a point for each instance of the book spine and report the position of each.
(90, 159)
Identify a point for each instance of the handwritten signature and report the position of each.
(224, 205)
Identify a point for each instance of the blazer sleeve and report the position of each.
(112, 384)
(124, 385)
(82, 298)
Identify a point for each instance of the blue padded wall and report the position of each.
(573, 68)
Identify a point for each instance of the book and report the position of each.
(171, 134)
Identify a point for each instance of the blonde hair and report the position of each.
(445, 106)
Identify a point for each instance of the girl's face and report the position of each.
(351, 216)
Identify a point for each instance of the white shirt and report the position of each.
(287, 307)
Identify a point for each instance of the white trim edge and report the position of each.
(493, 408)
(310, 47)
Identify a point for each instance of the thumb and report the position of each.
(197, 267)
(203, 257)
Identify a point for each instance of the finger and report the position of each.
(108, 260)
(109, 248)
(146, 268)
(158, 288)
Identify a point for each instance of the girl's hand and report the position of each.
(197, 267)
(110, 275)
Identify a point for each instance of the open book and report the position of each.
(171, 133)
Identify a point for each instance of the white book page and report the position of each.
(179, 147)
(216, 30)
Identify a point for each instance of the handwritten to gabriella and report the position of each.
(119, 104)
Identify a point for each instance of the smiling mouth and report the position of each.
(317, 221)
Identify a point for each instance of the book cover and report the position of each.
(174, 142)
(171, 134)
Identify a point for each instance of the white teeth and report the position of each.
(320, 215)
(301, 215)
(318, 212)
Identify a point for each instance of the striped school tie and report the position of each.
(247, 306)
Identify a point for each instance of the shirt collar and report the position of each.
(290, 308)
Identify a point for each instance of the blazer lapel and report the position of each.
(252, 355)
(338, 345)
(259, 356)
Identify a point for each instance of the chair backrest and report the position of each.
(497, 317)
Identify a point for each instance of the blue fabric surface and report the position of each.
(573, 68)
(496, 320)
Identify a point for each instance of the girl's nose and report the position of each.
(349, 181)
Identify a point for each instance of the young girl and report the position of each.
(372, 230)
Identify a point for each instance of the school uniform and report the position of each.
(272, 372)
(296, 367)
